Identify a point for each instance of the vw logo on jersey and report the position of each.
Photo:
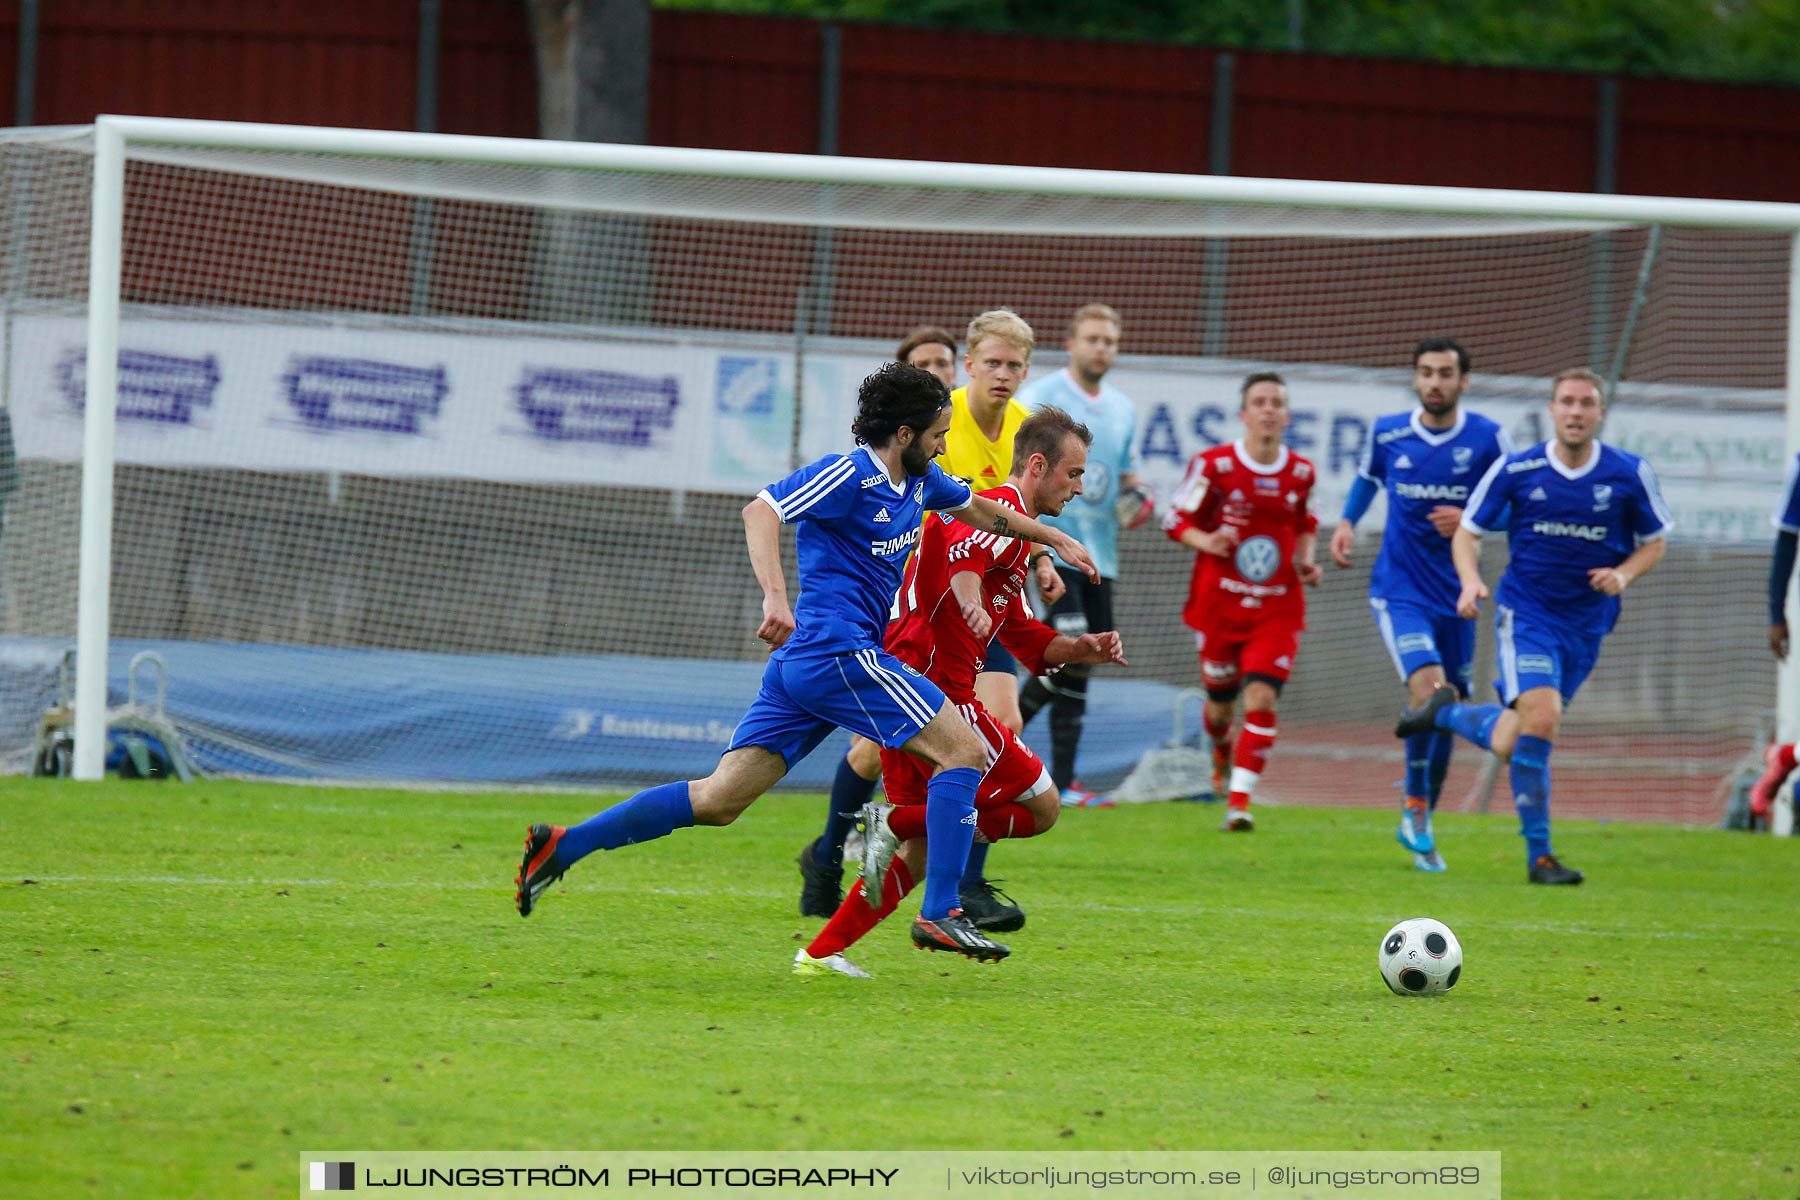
(1258, 559)
(1097, 484)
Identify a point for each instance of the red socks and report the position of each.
(1251, 755)
(1778, 763)
(854, 917)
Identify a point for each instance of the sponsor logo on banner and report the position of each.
(363, 394)
(612, 407)
(745, 385)
(167, 388)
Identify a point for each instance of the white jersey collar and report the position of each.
(1243, 455)
(1437, 437)
(1556, 464)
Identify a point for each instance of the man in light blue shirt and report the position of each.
(1093, 518)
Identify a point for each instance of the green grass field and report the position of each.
(199, 982)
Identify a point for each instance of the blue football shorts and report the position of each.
(869, 691)
(1416, 636)
(1531, 651)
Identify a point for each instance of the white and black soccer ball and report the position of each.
(1420, 957)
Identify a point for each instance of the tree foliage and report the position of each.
(1741, 40)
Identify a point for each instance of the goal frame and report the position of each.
(115, 136)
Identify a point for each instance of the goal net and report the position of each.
(429, 451)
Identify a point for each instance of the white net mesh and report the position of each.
(431, 470)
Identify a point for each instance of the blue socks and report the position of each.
(849, 792)
(1418, 764)
(1473, 721)
(1441, 746)
(1531, 794)
(976, 871)
(652, 813)
(949, 833)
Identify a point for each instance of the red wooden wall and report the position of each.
(753, 83)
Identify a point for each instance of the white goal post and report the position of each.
(1027, 208)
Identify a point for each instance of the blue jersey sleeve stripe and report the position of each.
(815, 489)
(1652, 489)
(1787, 516)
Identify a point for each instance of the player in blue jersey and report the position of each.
(1428, 460)
(1093, 518)
(1779, 759)
(1786, 520)
(821, 860)
(859, 516)
(984, 419)
(1583, 520)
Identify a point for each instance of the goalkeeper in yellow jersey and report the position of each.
(985, 416)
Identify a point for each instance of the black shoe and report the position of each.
(990, 908)
(958, 934)
(1547, 870)
(539, 868)
(821, 888)
(1423, 719)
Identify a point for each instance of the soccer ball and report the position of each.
(1420, 957)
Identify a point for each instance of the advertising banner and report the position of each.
(717, 412)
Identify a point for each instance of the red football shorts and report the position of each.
(1013, 771)
(1231, 653)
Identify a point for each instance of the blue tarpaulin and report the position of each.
(302, 712)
